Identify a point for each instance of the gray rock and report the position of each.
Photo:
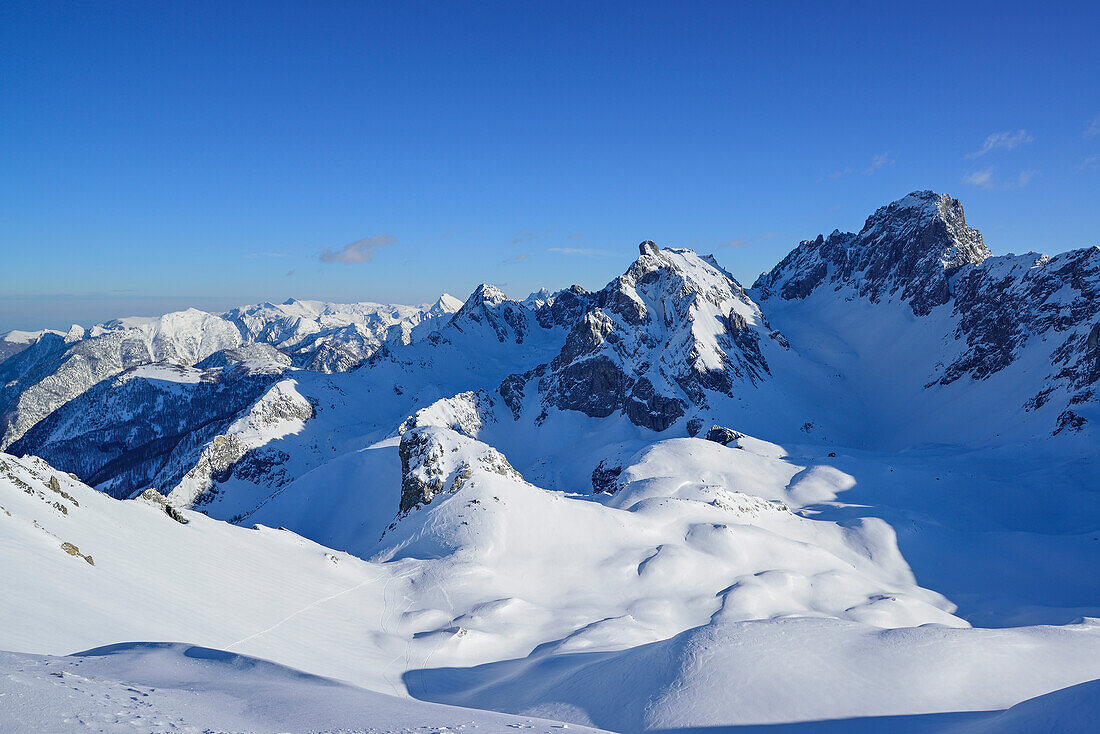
(723, 435)
(605, 478)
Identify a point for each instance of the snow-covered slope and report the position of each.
(488, 586)
(935, 339)
(866, 487)
(154, 687)
(49, 369)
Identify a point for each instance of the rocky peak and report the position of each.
(937, 224)
(908, 249)
(485, 294)
(564, 308)
(488, 305)
(438, 460)
(654, 341)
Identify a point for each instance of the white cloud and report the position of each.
(1022, 180)
(360, 251)
(1006, 140)
(879, 161)
(985, 179)
(1094, 127)
(526, 235)
(981, 178)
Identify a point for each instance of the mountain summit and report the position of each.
(907, 249)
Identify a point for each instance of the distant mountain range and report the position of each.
(629, 491)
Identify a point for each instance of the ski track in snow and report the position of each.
(304, 609)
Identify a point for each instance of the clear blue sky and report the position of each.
(160, 154)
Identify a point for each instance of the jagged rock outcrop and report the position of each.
(241, 450)
(488, 307)
(155, 498)
(723, 435)
(1014, 303)
(907, 250)
(465, 413)
(920, 251)
(671, 330)
(53, 369)
(436, 460)
(605, 477)
(148, 425)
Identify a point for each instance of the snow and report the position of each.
(15, 336)
(702, 569)
(186, 688)
(882, 550)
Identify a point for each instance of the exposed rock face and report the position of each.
(920, 251)
(723, 435)
(436, 460)
(906, 250)
(120, 434)
(240, 450)
(54, 369)
(605, 478)
(564, 308)
(1009, 301)
(488, 306)
(671, 330)
(465, 413)
(157, 499)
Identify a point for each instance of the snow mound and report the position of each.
(143, 686)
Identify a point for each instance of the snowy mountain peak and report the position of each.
(941, 216)
(485, 293)
(445, 304)
(673, 329)
(906, 250)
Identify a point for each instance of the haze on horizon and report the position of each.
(159, 157)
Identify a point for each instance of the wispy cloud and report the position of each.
(576, 236)
(1093, 161)
(985, 179)
(839, 173)
(1022, 180)
(982, 178)
(1006, 140)
(879, 161)
(577, 251)
(526, 235)
(742, 241)
(1093, 127)
(514, 260)
(360, 251)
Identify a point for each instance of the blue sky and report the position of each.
(157, 155)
